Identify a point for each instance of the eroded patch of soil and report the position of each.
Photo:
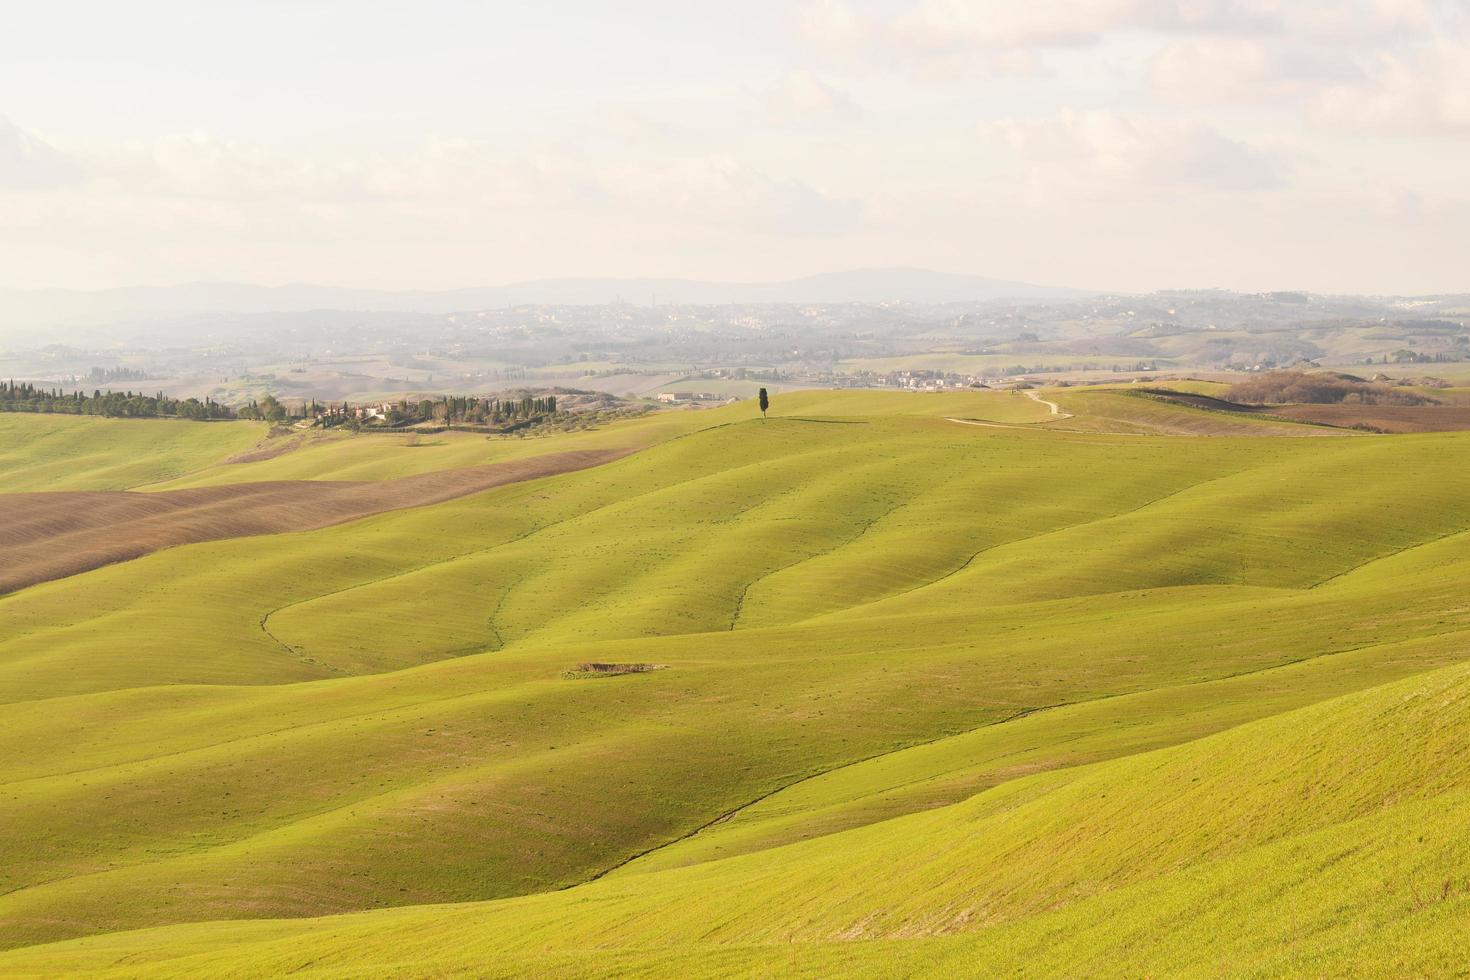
(45, 536)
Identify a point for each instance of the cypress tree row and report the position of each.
(451, 410)
(25, 397)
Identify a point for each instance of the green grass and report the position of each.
(381, 456)
(1223, 854)
(69, 452)
(939, 696)
(386, 455)
(1114, 409)
(1215, 389)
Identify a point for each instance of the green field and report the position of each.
(1134, 690)
(70, 452)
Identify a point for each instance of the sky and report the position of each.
(1104, 144)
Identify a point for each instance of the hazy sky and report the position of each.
(1128, 144)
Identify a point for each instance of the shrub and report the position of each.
(1321, 388)
(608, 670)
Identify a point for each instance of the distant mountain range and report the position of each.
(48, 307)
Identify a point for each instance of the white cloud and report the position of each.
(1213, 70)
(940, 24)
(1422, 90)
(946, 37)
(657, 159)
(1242, 70)
(1366, 22)
(833, 25)
(455, 180)
(954, 38)
(946, 25)
(802, 95)
(26, 162)
(1107, 153)
(636, 127)
(717, 190)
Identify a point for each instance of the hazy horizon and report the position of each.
(492, 284)
(1122, 145)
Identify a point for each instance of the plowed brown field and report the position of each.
(46, 536)
(1382, 418)
(1376, 418)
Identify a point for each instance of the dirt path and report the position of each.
(47, 536)
(1056, 410)
(1056, 413)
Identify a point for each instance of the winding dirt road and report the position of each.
(1056, 410)
(1056, 413)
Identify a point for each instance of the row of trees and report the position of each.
(450, 410)
(25, 397)
(100, 376)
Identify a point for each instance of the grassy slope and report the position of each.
(384, 456)
(381, 456)
(901, 582)
(1223, 855)
(1104, 409)
(68, 452)
(1195, 386)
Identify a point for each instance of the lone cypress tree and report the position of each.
(765, 402)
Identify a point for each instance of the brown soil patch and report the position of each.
(1382, 418)
(1372, 418)
(272, 447)
(46, 536)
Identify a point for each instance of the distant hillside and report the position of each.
(63, 306)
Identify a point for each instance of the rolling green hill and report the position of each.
(71, 452)
(1202, 858)
(1130, 692)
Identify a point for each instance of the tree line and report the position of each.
(26, 397)
(448, 410)
(100, 375)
